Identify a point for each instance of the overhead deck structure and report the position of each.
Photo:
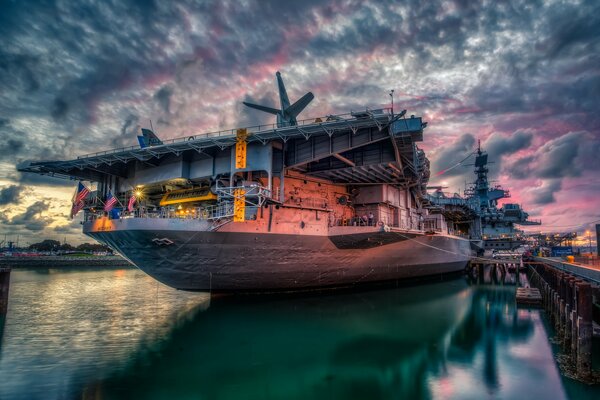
(347, 148)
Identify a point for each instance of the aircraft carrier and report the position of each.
(338, 200)
(494, 225)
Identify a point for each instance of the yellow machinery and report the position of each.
(240, 148)
(188, 196)
(239, 205)
(239, 195)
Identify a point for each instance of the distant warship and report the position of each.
(494, 225)
(338, 200)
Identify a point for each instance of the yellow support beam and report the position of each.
(239, 205)
(240, 148)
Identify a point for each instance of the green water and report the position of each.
(117, 334)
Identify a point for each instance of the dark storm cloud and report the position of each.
(129, 130)
(236, 37)
(452, 153)
(130, 125)
(72, 228)
(545, 194)
(11, 147)
(521, 168)
(500, 144)
(59, 109)
(16, 144)
(582, 28)
(558, 158)
(20, 68)
(31, 219)
(163, 97)
(569, 155)
(10, 194)
(12, 141)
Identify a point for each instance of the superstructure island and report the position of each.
(495, 225)
(339, 200)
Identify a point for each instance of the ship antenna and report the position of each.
(392, 96)
(151, 127)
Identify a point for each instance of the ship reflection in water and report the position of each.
(98, 335)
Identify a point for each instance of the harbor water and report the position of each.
(118, 334)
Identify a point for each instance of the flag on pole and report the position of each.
(132, 201)
(78, 199)
(110, 202)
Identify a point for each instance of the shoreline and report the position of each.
(64, 261)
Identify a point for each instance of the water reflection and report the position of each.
(64, 329)
(432, 341)
(117, 334)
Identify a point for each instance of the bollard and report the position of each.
(4, 286)
(584, 330)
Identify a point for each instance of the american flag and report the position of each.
(78, 199)
(110, 202)
(132, 200)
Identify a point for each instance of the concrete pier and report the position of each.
(4, 286)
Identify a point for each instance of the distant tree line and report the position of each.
(55, 245)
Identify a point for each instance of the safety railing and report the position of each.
(257, 128)
(254, 196)
(408, 224)
(211, 212)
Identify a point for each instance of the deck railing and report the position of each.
(324, 120)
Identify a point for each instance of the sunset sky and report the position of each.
(522, 77)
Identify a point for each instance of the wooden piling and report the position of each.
(481, 274)
(4, 286)
(567, 331)
(561, 305)
(584, 330)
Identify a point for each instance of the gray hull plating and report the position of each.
(236, 261)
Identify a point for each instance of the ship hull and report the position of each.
(243, 261)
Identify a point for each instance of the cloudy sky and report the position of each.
(522, 77)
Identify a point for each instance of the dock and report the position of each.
(588, 272)
(571, 296)
(530, 297)
(501, 270)
(569, 292)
